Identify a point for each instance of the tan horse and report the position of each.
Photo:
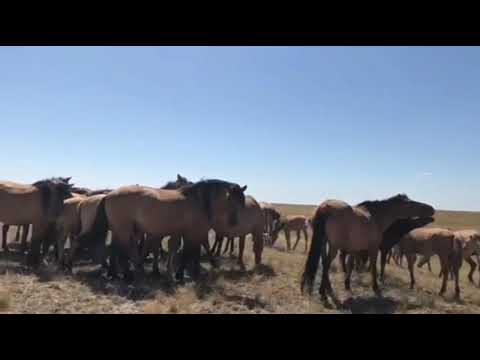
(470, 240)
(250, 221)
(271, 216)
(189, 212)
(433, 241)
(297, 223)
(38, 204)
(470, 243)
(354, 229)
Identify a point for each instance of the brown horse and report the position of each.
(271, 216)
(297, 223)
(38, 204)
(250, 221)
(354, 229)
(189, 212)
(429, 242)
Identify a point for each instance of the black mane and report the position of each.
(374, 205)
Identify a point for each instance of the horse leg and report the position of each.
(373, 254)
(444, 263)
(232, 245)
(298, 240)
(39, 233)
(383, 261)
(5, 228)
(17, 234)
(156, 253)
(196, 248)
(348, 273)
(241, 248)
(61, 239)
(411, 262)
(257, 247)
(217, 245)
(325, 284)
(306, 240)
(342, 258)
(287, 238)
(23, 244)
(473, 266)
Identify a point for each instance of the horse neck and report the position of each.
(384, 219)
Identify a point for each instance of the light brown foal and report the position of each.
(297, 223)
(428, 242)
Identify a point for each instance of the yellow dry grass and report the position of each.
(272, 288)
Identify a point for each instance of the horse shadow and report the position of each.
(370, 305)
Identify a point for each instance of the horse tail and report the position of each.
(317, 250)
(99, 230)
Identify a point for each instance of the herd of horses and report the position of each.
(140, 218)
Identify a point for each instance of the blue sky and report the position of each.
(296, 124)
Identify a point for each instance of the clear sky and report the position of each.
(296, 124)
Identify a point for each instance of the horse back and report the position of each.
(20, 203)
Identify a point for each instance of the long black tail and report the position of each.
(317, 249)
(97, 234)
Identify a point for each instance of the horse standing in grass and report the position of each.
(470, 244)
(433, 241)
(393, 235)
(271, 216)
(38, 204)
(297, 223)
(189, 212)
(250, 221)
(354, 229)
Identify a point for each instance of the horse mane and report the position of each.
(98, 192)
(81, 190)
(203, 191)
(373, 206)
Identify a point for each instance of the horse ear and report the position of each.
(243, 188)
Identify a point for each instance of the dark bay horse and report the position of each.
(189, 212)
(38, 204)
(354, 229)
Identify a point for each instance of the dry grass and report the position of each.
(272, 288)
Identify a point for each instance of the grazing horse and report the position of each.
(38, 204)
(271, 216)
(354, 229)
(297, 223)
(393, 235)
(189, 212)
(250, 221)
(429, 242)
